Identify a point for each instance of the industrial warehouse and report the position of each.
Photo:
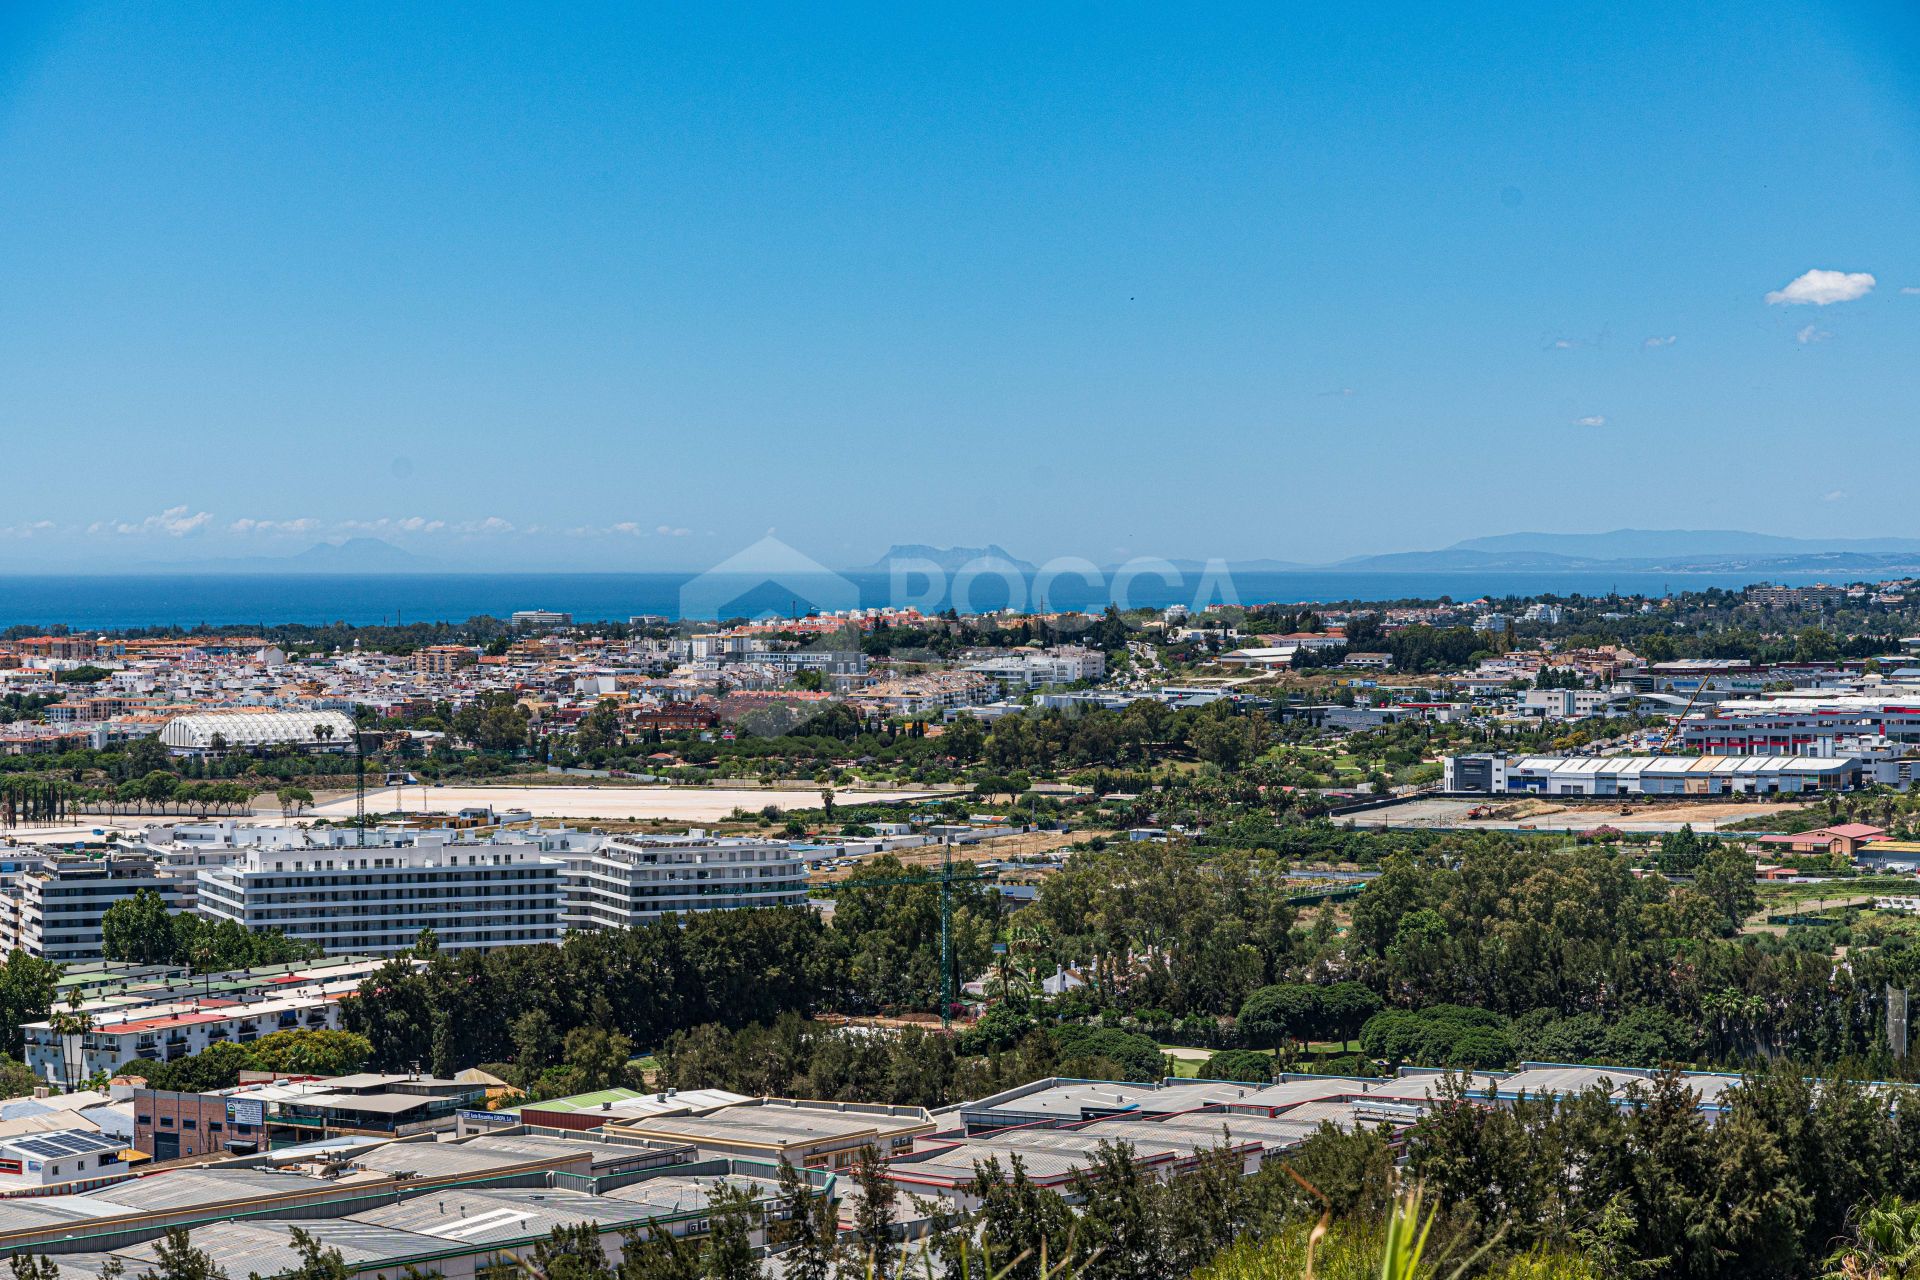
(486, 1187)
(1496, 774)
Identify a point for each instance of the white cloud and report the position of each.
(26, 530)
(1822, 288)
(1591, 420)
(1810, 335)
(1833, 495)
(1667, 341)
(627, 527)
(492, 524)
(1910, 289)
(305, 524)
(174, 522)
(668, 531)
(390, 524)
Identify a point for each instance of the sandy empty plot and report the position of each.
(688, 804)
(1542, 814)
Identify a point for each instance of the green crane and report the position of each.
(946, 879)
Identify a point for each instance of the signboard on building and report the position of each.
(246, 1111)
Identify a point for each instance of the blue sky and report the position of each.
(623, 289)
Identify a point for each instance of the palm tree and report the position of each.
(1884, 1242)
(71, 1026)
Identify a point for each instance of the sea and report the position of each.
(109, 602)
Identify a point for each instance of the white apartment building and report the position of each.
(1566, 704)
(1064, 664)
(634, 879)
(928, 694)
(376, 900)
(162, 1031)
(56, 910)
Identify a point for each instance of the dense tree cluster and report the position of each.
(731, 967)
(296, 1052)
(795, 1057)
(1657, 1188)
(140, 930)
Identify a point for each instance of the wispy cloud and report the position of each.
(1810, 335)
(1667, 341)
(1591, 420)
(174, 522)
(1340, 391)
(1833, 495)
(492, 524)
(1823, 288)
(304, 524)
(391, 524)
(27, 530)
(634, 529)
(1910, 289)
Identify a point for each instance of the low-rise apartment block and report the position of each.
(122, 1030)
(444, 659)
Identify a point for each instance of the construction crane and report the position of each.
(946, 879)
(1660, 748)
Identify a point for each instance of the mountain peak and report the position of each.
(947, 559)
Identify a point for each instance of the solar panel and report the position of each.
(54, 1145)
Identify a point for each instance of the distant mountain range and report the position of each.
(352, 555)
(1670, 550)
(948, 559)
(1641, 550)
(1721, 551)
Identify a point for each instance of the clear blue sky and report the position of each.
(609, 288)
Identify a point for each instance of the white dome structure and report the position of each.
(194, 732)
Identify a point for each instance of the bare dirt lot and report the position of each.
(678, 804)
(1548, 815)
(1026, 844)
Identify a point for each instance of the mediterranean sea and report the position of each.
(109, 602)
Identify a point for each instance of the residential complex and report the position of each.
(623, 881)
(171, 1021)
(376, 900)
(54, 911)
